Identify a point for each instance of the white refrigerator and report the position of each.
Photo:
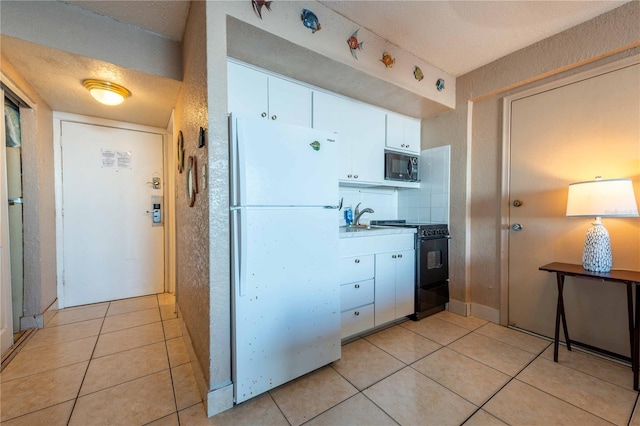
(286, 299)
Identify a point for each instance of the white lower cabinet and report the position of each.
(394, 294)
(377, 281)
(356, 320)
(356, 293)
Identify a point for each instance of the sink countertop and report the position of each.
(373, 231)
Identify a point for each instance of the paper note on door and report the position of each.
(124, 159)
(108, 158)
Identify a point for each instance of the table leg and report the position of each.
(560, 315)
(635, 349)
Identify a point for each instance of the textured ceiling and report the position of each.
(460, 36)
(166, 18)
(455, 36)
(57, 77)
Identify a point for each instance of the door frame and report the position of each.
(6, 308)
(169, 199)
(5, 271)
(505, 224)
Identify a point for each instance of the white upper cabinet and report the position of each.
(403, 133)
(257, 94)
(361, 130)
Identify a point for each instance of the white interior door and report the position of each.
(112, 248)
(568, 134)
(6, 323)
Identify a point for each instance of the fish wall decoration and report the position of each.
(387, 60)
(258, 4)
(417, 73)
(310, 20)
(354, 45)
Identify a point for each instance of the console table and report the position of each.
(630, 278)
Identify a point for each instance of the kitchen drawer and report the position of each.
(356, 268)
(356, 320)
(356, 294)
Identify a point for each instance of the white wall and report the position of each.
(430, 203)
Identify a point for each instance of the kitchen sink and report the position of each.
(361, 228)
(357, 228)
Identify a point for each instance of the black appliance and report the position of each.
(432, 265)
(399, 166)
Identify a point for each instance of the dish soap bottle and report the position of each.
(348, 216)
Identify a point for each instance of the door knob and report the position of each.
(516, 227)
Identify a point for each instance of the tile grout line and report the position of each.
(280, 409)
(166, 348)
(635, 406)
(502, 387)
(75, 401)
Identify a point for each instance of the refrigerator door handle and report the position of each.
(239, 252)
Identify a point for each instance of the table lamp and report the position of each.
(600, 198)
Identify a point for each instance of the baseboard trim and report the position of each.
(485, 312)
(475, 309)
(40, 320)
(216, 400)
(458, 307)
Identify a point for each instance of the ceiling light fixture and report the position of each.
(106, 92)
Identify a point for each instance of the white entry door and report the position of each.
(569, 134)
(112, 247)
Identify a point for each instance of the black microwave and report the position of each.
(398, 166)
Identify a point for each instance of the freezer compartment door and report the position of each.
(284, 165)
(286, 307)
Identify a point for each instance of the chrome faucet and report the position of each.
(359, 213)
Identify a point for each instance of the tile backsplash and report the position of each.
(383, 201)
(430, 203)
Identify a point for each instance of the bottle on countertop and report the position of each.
(348, 216)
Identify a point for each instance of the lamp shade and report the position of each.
(602, 198)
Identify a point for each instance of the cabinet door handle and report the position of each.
(355, 176)
(274, 117)
(357, 286)
(356, 313)
(357, 260)
(393, 256)
(264, 114)
(400, 256)
(402, 145)
(349, 176)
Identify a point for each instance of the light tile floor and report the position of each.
(125, 363)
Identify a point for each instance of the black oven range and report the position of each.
(432, 265)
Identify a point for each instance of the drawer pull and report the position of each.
(357, 260)
(356, 313)
(357, 286)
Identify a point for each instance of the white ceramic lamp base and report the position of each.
(597, 249)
